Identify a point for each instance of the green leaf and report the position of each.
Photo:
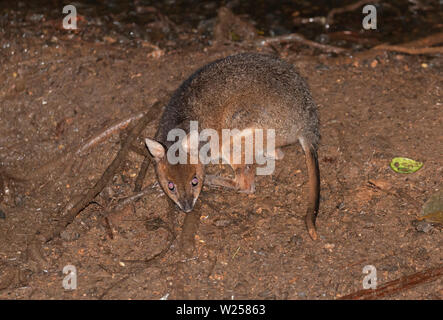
(405, 165)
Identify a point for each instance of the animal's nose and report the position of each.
(187, 206)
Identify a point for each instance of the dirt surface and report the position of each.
(57, 94)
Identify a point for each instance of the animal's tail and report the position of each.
(314, 186)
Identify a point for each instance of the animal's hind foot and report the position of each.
(245, 179)
(217, 181)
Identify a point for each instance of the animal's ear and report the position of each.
(156, 149)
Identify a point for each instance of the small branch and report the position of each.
(329, 19)
(107, 175)
(398, 285)
(142, 151)
(420, 46)
(303, 20)
(400, 194)
(146, 263)
(79, 150)
(115, 284)
(142, 173)
(106, 133)
(428, 41)
(2, 185)
(124, 202)
(412, 51)
(170, 239)
(295, 37)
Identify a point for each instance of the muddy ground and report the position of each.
(60, 92)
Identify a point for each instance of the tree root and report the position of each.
(397, 285)
(142, 173)
(295, 37)
(411, 51)
(79, 150)
(420, 46)
(107, 175)
(348, 8)
(329, 19)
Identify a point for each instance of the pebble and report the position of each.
(296, 239)
(424, 226)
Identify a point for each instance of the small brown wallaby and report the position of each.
(247, 91)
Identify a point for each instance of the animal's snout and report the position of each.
(187, 205)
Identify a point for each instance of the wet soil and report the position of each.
(59, 89)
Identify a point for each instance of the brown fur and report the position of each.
(242, 91)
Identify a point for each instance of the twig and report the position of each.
(397, 285)
(107, 175)
(146, 262)
(412, 51)
(116, 283)
(400, 195)
(2, 185)
(170, 239)
(142, 173)
(77, 151)
(108, 227)
(142, 151)
(329, 19)
(130, 199)
(428, 41)
(304, 20)
(106, 133)
(420, 46)
(295, 37)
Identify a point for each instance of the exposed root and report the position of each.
(428, 41)
(106, 133)
(398, 285)
(329, 19)
(75, 152)
(2, 185)
(420, 46)
(146, 263)
(295, 37)
(400, 194)
(412, 51)
(107, 175)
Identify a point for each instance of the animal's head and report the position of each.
(181, 182)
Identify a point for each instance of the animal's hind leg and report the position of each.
(314, 186)
(217, 181)
(244, 180)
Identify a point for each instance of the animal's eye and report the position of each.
(171, 186)
(194, 181)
